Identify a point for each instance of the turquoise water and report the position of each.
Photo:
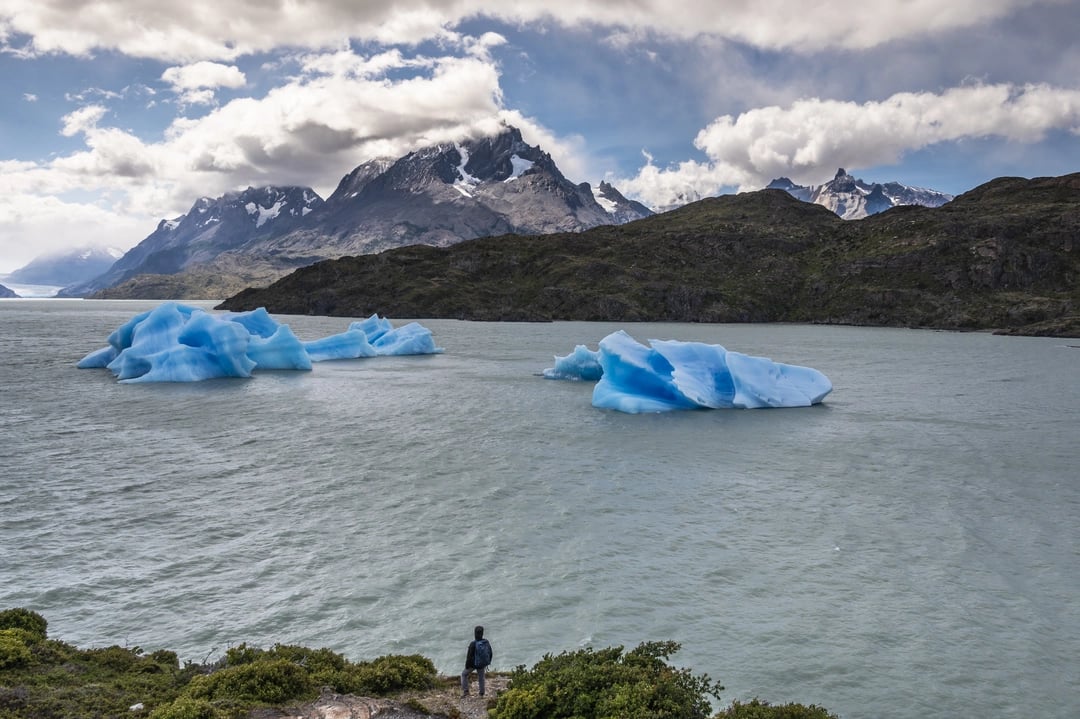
(908, 549)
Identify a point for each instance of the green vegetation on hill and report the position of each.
(1003, 256)
(43, 678)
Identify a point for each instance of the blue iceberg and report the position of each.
(178, 343)
(670, 374)
(581, 364)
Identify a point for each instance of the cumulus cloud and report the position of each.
(195, 83)
(192, 30)
(82, 120)
(812, 137)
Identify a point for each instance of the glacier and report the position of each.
(672, 374)
(178, 343)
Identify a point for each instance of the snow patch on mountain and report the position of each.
(264, 213)
(520, 166)
(608, 205)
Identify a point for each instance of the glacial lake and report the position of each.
(909, 548)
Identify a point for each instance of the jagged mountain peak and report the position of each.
(618, 206)
(851, 198)
(781, 183)
(502, 157)
(354, 182)
(258, 205)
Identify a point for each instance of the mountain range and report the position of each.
(438, 196)
(853, 199)
(1002, 256)
(435, 196)
(65, 268)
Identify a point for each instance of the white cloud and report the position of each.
(35, 225)
(812, 137)
(195, 83)
(203, 74)
(30, 97)
(193, 30)
(82, 120)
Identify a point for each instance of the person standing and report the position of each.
(477, 658)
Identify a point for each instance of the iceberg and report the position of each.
(582, 364)
(178, 343)
(670, 374)
(351, 344)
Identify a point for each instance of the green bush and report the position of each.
(316, 661)
(758, 709)
(385, 675)
(52, 652)
(13, 650)
(115, 658)
(607, 684)
(267, 682)
(20, 618)
(186, 708)
(165, 658)
(243, 654)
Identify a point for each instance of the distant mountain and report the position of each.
(211, 227)
(853, 199)
(6, 293)
(1002, 256)
(66, 268)
(438, 196)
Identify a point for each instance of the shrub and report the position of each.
(243, 654)
(758, 709)
(165, 658)
(268, 682)
(53, 652)
(13, 650)
(186, 708)
(316, 661)
(116, 658)
(20, 618)
(382, 676)
(607, 684)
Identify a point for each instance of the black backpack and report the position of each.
(482, 654)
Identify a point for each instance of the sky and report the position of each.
(115, 114)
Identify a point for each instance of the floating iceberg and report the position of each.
(669, 374)
(179, 343)
(581, 364)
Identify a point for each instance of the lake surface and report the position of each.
(910, 548)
